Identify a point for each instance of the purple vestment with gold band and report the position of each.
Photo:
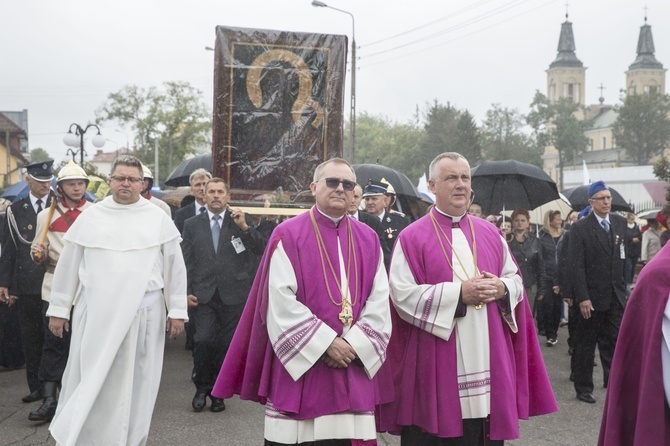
(424, 367)
(253, 370)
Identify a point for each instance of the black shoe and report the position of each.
(33, 396)
(217, 404)
(48, 408)
(199, 401)
(551, 342)
(46, 411)
(586, 397)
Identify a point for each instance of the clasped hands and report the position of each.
(339, 354)
(7, 298)
(482, 289)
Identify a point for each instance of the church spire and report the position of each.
(645, 50)
(566, 48)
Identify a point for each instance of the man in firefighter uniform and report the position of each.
(53, 222)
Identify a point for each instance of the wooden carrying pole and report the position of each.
(45, 230)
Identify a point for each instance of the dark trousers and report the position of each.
(11, 347)
(601, 329)
(54, 352)
(573, 316)
(215, 324)
(629, 269)
(476, 432)
(551, 311)
(32, 335)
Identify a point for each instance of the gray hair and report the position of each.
(128, 160)
(199, 173)
(320, 167)
(432, 169)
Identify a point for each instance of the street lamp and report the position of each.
(127, 140)
(76, 141)
(352, 116)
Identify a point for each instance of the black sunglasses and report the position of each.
(334, 182)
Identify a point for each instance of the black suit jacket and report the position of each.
(183, 214)
(17, 270)
(376, 226)
(392, 224)
(597, 272)
(226, 270)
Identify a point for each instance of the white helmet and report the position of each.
(147, 172)
(72, 171)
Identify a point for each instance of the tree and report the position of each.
(174, 117)
(662, 172)
(378, 139)
(503, 138)
(39, 154)
(448, 129)
(556, 124)
(643, 126)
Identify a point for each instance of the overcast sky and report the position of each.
(61, 58)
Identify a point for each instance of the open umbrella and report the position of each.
(179, 176)
(579, 199)
(511, 184)
(377, 172)
(21, 190)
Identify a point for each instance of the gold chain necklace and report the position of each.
(346, 315)
(438, 229)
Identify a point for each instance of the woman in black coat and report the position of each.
(551, 241)
(528, 254)
(633, 248)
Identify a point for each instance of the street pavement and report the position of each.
(175, 423)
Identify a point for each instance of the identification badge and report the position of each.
(622, 252)
(238, 245)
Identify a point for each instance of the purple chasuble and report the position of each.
(424, 367)
(636, 411)
(251, 368)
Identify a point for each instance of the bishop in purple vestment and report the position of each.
(636, 407)
(315, 328)
(464, 358)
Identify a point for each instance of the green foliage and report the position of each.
(503, 138)
(39, 154)
(556, 124)
(378, 139)
(662, 172)
(643, 127)
(174, 117)
(448, 129)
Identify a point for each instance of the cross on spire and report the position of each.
(602, 97)
(646, 9)
(566, 9)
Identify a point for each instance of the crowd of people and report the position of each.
(345, 321)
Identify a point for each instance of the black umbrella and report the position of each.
(376, 172)
(510, 184)
(579, 199)
(179, 176)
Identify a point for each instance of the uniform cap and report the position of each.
(375, 188)
(41, 171)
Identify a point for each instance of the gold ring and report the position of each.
(478, 307)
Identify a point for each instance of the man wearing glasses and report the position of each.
(123, 263)
(315, 328)
(597, 256)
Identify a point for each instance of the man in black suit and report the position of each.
(597, 254)
(197, 180)
(376, 201)
(20, 278)
(369, 220)
(221, 250)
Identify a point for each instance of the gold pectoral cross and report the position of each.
(346, 315)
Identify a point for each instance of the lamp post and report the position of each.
(76, 141)
(352, 116)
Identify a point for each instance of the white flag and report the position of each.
(585, 174)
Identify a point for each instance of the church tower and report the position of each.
(566, 75)
(646, 74)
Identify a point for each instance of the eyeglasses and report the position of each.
(333, 183)
(131, 180)
(602, 198)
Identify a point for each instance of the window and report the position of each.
(604, 142)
